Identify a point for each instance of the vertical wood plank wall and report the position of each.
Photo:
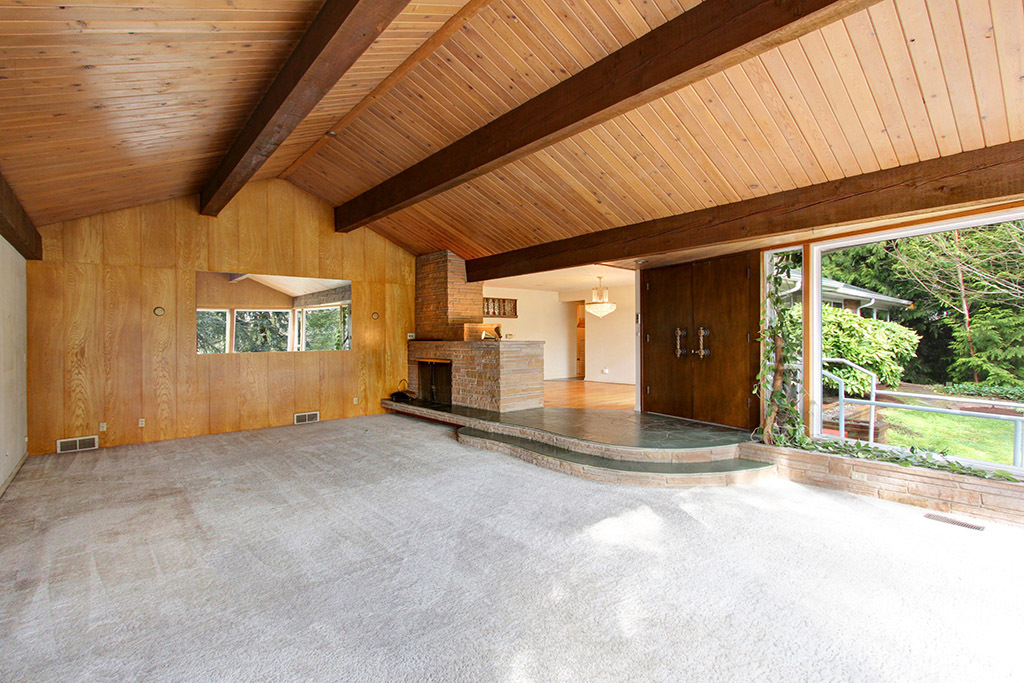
(97, 353)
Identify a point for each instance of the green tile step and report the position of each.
(617, 434)
(649, 473)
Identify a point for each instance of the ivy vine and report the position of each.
(783, 425)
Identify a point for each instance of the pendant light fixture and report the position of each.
(599, 304)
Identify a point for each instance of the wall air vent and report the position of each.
(82, 443)
(306, 418)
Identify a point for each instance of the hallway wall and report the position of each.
(13, 391)
(542, 317)
(611, 340)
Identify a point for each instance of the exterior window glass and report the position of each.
(326, 328)
(261, 331)
(211, 331)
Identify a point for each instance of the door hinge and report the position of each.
(648, 389)
(648, 339)
(648, 286)
(748, 337)
(748, 401)
(748, 272)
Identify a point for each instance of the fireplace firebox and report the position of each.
(435, 383)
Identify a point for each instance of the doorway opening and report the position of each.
(589, 352)
(581, 341)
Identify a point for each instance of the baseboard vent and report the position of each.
(954, 522)
(82, 443)
(306, 418)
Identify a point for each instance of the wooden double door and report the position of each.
(699, 337)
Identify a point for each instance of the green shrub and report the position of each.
(996, 391)
(881, 346)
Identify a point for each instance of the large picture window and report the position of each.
(248, 313)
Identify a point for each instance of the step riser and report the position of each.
(703, 480)
(601, 450)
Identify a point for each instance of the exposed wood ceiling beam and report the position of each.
(960, 180)
(449, 29)
(338, 36)
(15, 225)
(705, 40)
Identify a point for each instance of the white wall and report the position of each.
(611, 340)
(13, 388)
(542, 317)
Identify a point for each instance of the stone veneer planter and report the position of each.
(920, 486)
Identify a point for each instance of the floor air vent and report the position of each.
(306, 418)
(82, 443)
(954, 522)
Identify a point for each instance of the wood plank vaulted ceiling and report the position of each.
(105, 106)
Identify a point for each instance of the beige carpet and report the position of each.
(380, 549)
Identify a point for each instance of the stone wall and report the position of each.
(932, 489)
(445, 302)
(489, 375)
(338, 295)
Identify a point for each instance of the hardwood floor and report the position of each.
(576, 394)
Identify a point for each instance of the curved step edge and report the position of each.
(595, 473)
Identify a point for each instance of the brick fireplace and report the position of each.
(487, 374)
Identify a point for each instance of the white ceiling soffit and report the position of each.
(567, 279)
(297, 286)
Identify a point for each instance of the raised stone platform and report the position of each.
(618, 446)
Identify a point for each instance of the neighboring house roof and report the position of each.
(834, 290)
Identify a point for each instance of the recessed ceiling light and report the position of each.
(642, 261)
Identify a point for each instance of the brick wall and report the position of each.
(932, 489)
(445, 302)
(489, 375)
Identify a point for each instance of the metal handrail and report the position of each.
(874, 389)
(842, 400)
(1018, 427)
(959, 399)
(874, 403)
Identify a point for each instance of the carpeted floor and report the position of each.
(380, 549)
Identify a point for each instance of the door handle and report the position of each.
(702, 351)
(679, 342)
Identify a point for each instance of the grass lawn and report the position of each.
(962, 436)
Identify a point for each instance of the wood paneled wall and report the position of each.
(97, 353)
